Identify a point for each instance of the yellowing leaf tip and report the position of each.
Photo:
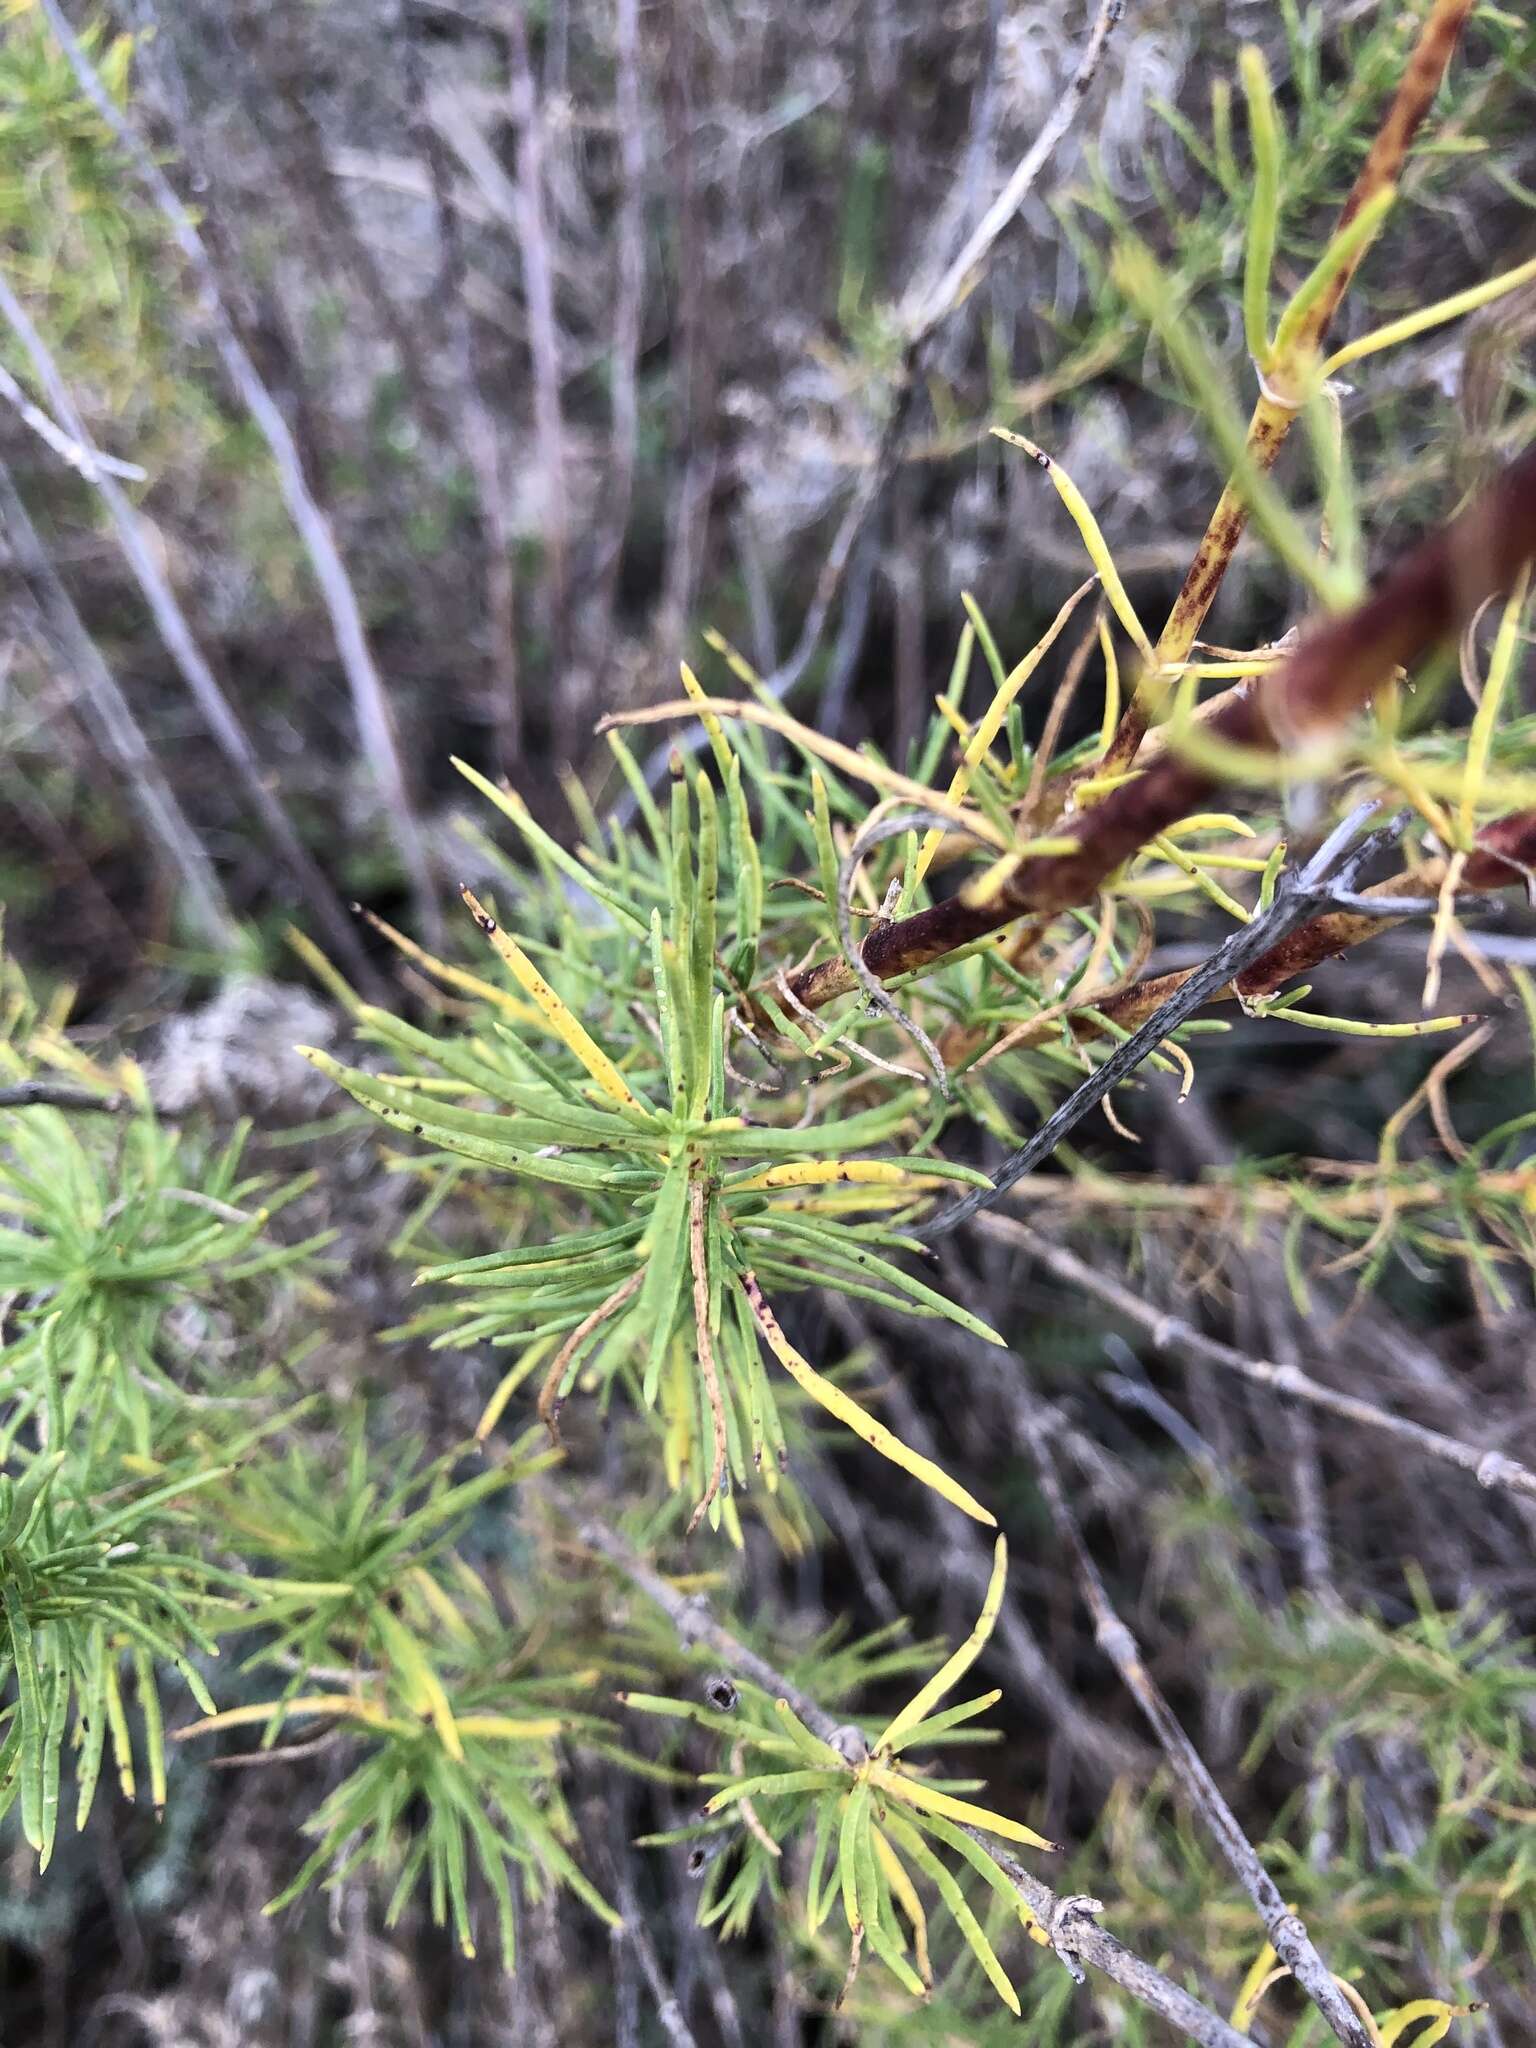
(1014, 440)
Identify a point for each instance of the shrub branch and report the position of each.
(1300, 895)
(1504, 857)
(1337, 667)
(1068, 1920)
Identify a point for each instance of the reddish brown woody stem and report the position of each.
(1336, 668)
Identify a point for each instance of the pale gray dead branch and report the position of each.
(1176, 1335)
(1285, 1930)
(219, 715)
(207, 906)
(922, 320)
(370, 701)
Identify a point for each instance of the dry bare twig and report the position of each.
(1286, 1932)
(122, 738)
(1300, 896)
(60, 1095)
(1176, 1335)
(87, 462)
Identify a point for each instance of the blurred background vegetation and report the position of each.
(584, 324)
(584, 327)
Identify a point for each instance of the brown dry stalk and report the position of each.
(550, 1403)
(1335, 668)
(1275, 409)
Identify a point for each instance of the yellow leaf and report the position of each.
(456, 977)
(562, 1020)
(1093, 540)
(350, 1706)
(1429, 316)
(504, 1727)
(851, 1415)
(423, 1688)
(914, 1792)
(992, 720)
(922, 1703)
(1486, 719)
(905, 1894)
(1209, 821)
(815, 1173)
(1438, 2013)
(1253, 1988)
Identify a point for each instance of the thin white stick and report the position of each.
(207, 907)
(88, 462)
(936, 304)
